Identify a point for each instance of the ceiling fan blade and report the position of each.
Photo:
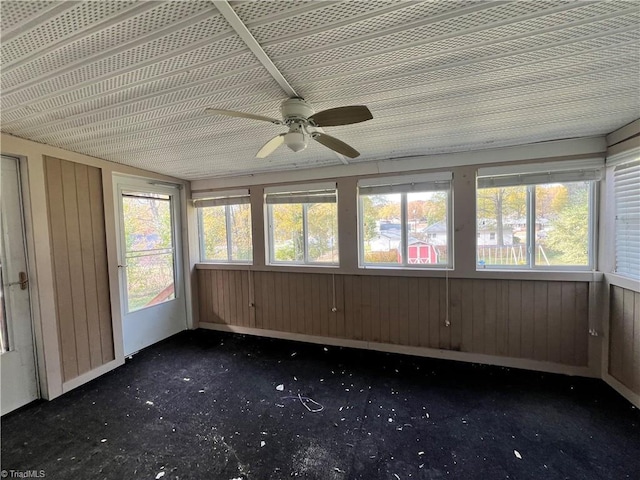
(233, 113)
(341, 116)
(270, 147)
(335, 145)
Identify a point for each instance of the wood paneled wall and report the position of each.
(624, 337)
(539, 320)
(76, 220)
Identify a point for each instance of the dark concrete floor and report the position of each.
(208, 405)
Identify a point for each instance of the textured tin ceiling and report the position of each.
(129, 81)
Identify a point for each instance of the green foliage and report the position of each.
(569, 234)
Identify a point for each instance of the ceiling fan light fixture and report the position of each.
(296, 141)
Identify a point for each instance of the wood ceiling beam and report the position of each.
(243, 32)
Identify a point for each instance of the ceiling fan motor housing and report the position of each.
(294, 109)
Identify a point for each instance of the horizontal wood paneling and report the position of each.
(624, 337)
(78, 242)
(545, 321)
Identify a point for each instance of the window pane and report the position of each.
(322, 232)
(240, 225)
(147, 222)
(502, 226)
(150, 280)
(428, 233)
(287, 232)
(214, 233)
(562, 224)
(381, 228)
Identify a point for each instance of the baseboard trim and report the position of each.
(511, 362)
(90, 375)
(622, 389)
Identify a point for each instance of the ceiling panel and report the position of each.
(129, 81)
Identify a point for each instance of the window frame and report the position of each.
(300, 190)
(228, 199)
(592, 168)
(399, 181)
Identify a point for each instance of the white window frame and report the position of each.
(405, 184)
(531, 176)
(306, 191)
(217, 199)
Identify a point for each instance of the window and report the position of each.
(303, 224)
(537, 216)
(404, 221)
(225, 227)
(626, 178)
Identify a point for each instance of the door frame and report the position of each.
(122, 182)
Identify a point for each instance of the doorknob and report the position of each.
(23, 281)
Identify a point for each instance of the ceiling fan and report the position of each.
(299, 116)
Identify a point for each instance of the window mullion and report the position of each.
(227, 221)
(203, 256)
(404, 249)
(305, 229)
(531, 226)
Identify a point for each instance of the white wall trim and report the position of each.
(91, 375)
(540, 275)
(630, 395)
(559, 149)
(623, 282)
(407, 350)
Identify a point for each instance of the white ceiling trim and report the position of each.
(241, 29)
(538, 151)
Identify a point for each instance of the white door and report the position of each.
(151, 274)
(17, 353)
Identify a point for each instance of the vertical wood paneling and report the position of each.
(340, 305)
(502, 317)
(293, 305)
(478, 315)
(581, 334)
(514, 318)
(445, 331)
(539, 320)
(455, 313)
(72, 226)
(96, 205)
(383, 285)
(413, 293)
(88, 268)
(403, 310)
(423, 303)
(568, 320)
(366, 307)
(392, 316)
(356, 291)
(434, 313)
(628, 305)
(624, 337)
(526, 319)
(490, 312)
(554, 322)
(76, 219)
(62, 275)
